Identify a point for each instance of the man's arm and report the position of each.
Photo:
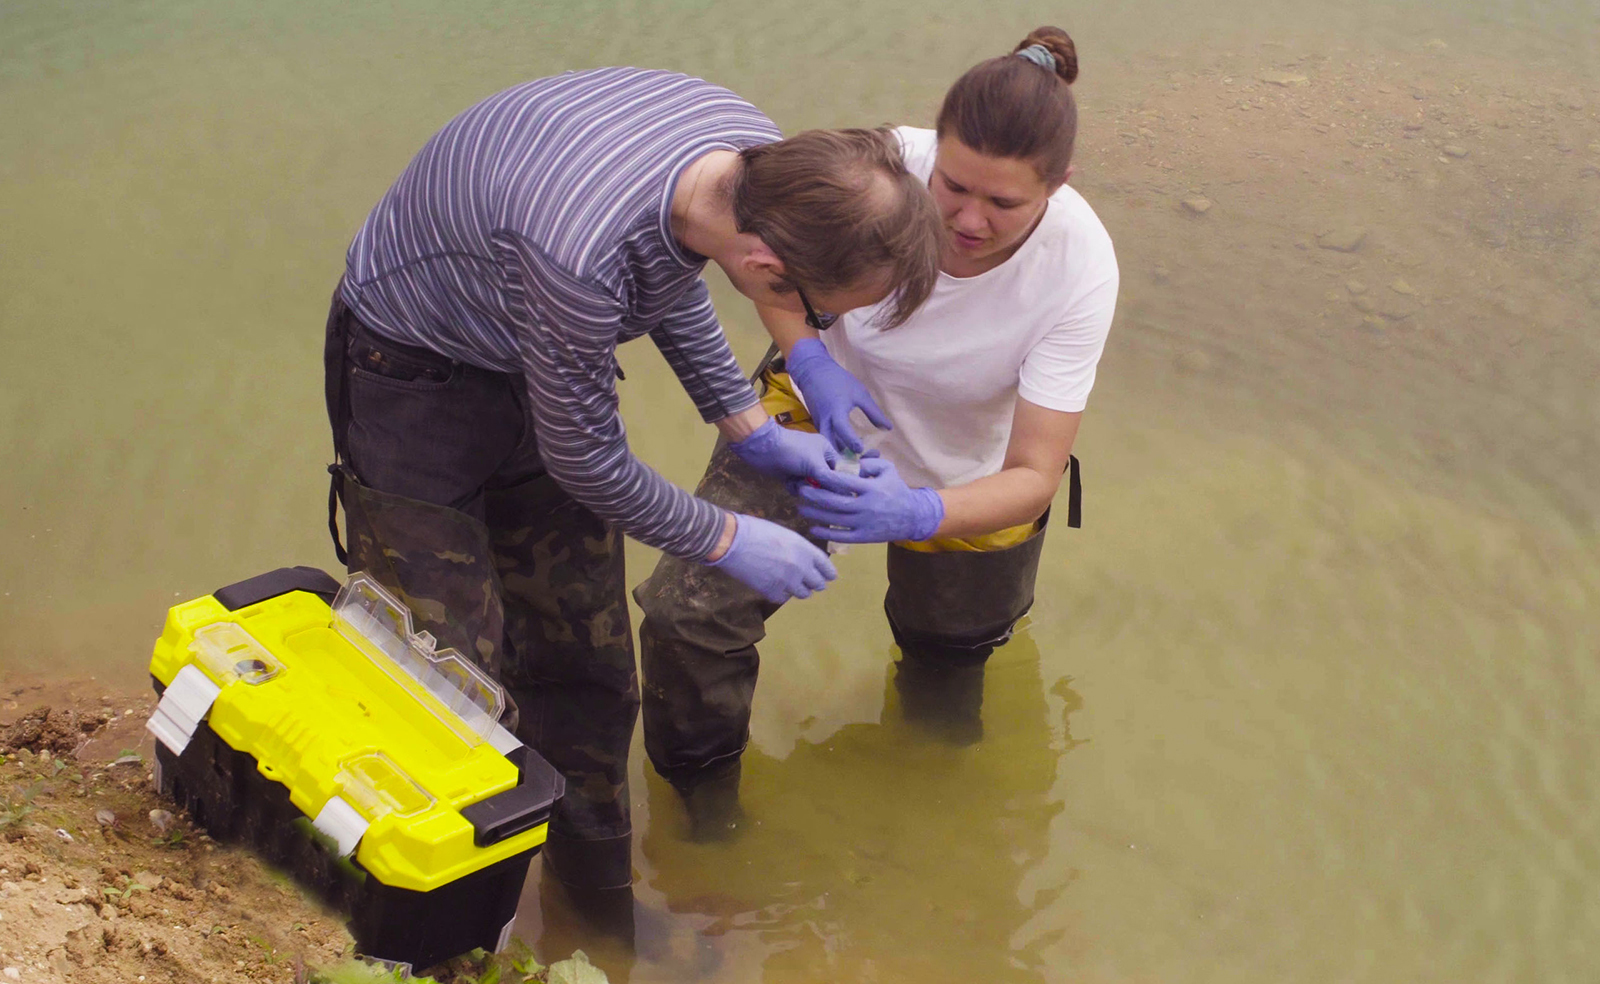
(785, 327)
(690, 338)
(569, 360)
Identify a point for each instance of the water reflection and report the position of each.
(825, 882)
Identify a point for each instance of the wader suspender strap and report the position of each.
(1074, 494)
(335, 487)
(339, 403)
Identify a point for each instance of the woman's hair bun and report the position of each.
(1059, 44)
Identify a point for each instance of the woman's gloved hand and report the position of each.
(779, 563)
(779, 452)
(831, 393)
(879, 508)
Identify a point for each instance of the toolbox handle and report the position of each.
(520, 808)
(251, 591)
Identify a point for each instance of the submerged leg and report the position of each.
(949, 611)
(570, 668)
(698, 654)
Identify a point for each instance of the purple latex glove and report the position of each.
(779, 452)
(882, 508)
(831, 393)
(778, 563)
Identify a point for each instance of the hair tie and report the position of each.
(1039, 55)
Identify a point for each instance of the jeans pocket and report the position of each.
(381, 360)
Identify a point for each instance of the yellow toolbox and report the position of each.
(340, 745)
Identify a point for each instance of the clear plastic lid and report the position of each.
(375, 622)
(228, 652)
(376, 787)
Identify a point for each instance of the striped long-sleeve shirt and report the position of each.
(532, 235)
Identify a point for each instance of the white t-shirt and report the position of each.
(949, 377)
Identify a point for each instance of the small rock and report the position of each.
(132, 758)
(1412, 127)
(1364, 304)
(105, 818)
(12, 973)
(1401, 287)
(1355, 286)
(148, 879)
(1343, 239)
(62, 833)
(1454, 150)
(1435, 43)
(161, 820)
(1199, 206)
(1396, 308)
(1283, 79)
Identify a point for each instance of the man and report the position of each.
(471, 370)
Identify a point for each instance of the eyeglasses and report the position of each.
(820, 322)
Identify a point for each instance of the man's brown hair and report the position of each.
(840, 209)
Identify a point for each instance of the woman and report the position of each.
(985, 385)
(471, 369)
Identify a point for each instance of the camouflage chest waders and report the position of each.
(446, 502)
(697, 642)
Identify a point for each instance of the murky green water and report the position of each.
(1313, 696)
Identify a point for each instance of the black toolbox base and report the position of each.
(224, 792)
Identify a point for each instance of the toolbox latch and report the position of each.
(520, 808)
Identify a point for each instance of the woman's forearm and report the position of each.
(997, 502)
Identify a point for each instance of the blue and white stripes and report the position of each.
(532, 235)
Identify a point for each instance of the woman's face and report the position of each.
(989, 204)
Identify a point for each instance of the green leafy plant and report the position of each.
(124, 892)
(176, 837)
(361, 972)
(18, 806)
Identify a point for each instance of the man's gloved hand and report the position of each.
(881, 509)
(779, 452)
(831, 393)
(779, 563)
